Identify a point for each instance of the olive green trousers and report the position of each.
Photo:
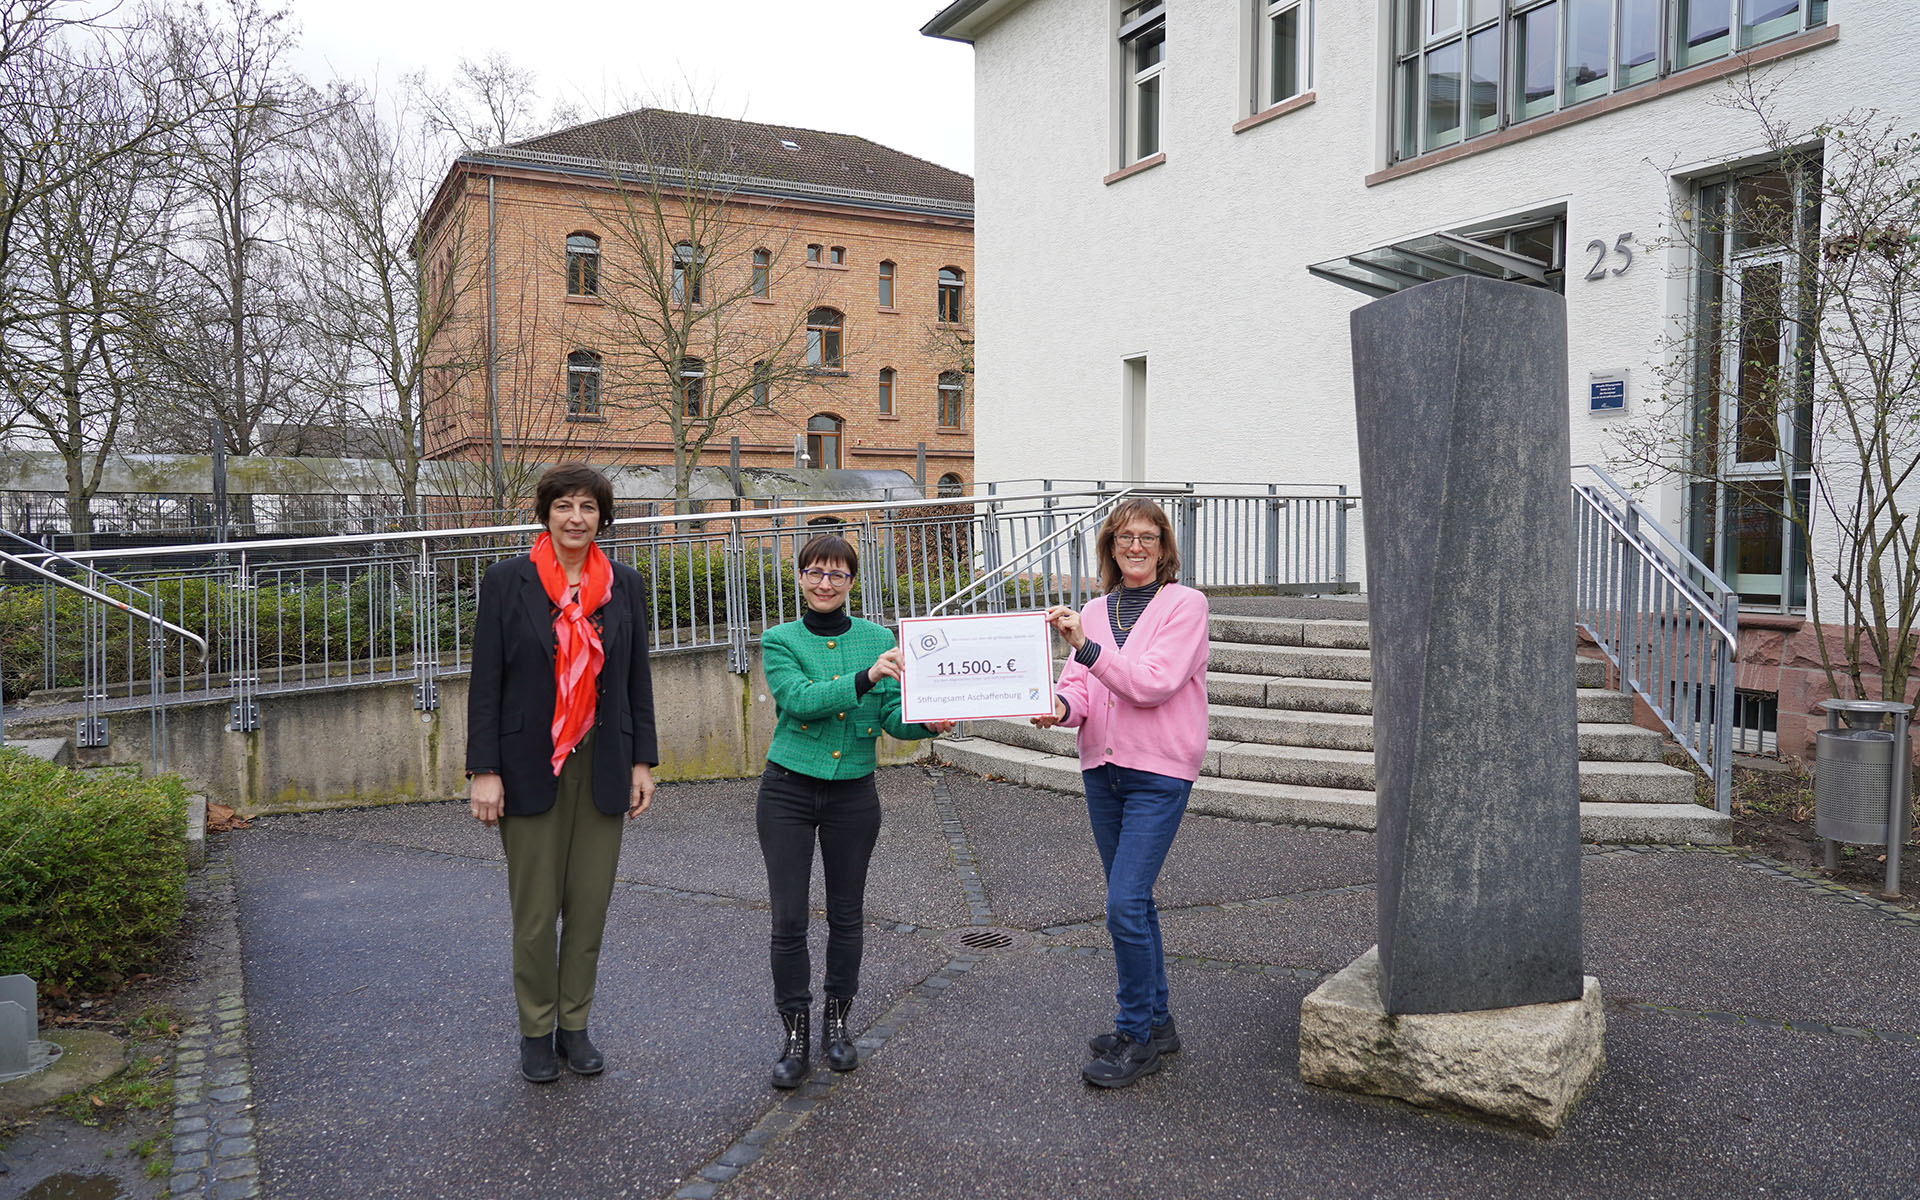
(560, 868)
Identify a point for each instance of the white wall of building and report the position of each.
(1200, 263)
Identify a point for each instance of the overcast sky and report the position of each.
(850, 66)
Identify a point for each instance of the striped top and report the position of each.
(1123, 611)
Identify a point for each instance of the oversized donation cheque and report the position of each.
(974, 667)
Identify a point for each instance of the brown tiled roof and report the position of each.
(804, 162)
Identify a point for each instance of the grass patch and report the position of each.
(1784, 792)
(144, 1085)
(93, 872)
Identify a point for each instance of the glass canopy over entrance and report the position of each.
(1532, 255)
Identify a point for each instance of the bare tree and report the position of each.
(384, 300)
(691, 350)
(1794, 400)
(257, 113)
(85, 270)
(489, 103)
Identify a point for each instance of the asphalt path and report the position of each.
(1761, 1034)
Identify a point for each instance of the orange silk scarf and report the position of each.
(577, 651)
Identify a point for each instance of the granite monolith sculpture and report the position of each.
(1460, 389)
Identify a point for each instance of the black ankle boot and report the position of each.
(836, 1044)
(793, 1064)
(580, 1055)
(537, 1061)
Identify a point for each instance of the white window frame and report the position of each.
(1267, 15)
(1148, 26)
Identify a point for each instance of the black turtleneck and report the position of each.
(833, 624)
(827, 624)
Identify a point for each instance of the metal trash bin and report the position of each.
(1853, 771)
(1860, 784)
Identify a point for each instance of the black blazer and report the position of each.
(510, 697)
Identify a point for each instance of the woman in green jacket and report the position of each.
(835, 684)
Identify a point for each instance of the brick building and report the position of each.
(658, 281)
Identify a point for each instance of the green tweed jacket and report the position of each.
(824, 730)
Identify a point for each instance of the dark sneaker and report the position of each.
(538, 1063)
(1166, 1040)
(1125, 1061)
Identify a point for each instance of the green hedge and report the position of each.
(93, 871)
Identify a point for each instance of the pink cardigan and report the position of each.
(1144, 706)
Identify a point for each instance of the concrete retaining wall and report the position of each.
(369, 745)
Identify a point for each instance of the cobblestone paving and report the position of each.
(962, 1045)
(215, 1151)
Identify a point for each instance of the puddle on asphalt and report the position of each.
(77, 1187)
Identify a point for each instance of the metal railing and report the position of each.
(98, 605)
(298, 614)
(1666, 622)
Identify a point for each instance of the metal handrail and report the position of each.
(122, 605)
(1005, 571)
(1649, 521)
(1698, 599)
(1649, 633)
(745, 514)
(93, 725)
(299, 614)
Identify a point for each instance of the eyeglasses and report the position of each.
(815, 576)
(1137, 539)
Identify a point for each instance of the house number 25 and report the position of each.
(1598, 248)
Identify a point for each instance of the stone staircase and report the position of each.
(1291, 741)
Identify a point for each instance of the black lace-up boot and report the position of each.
(836, 1044)
(791, 1070)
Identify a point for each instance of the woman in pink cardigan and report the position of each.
(1136, 689)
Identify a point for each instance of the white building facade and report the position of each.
(1156, 179)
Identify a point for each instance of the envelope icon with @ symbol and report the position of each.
(926, 641)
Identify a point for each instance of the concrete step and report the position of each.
(58, 751)
(1354, 731)
(1291, 727)
(1602, 706)
(1296, 804)
(1280, 631)
(1335, 663)
(1305, 662)
(1305, 695)
(1601, 781)
(1634, 783)
(1306, 766)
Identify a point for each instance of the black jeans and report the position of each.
(845, 815)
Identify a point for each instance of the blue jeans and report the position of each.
(1135, 815)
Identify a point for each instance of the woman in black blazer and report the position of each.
(560, 744)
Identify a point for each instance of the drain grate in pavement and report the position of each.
(981, 938)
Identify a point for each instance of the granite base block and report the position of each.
(1525, 1066)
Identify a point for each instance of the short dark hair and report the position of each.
(829, 547)
(565, 480)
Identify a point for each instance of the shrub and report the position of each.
(93, 871)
